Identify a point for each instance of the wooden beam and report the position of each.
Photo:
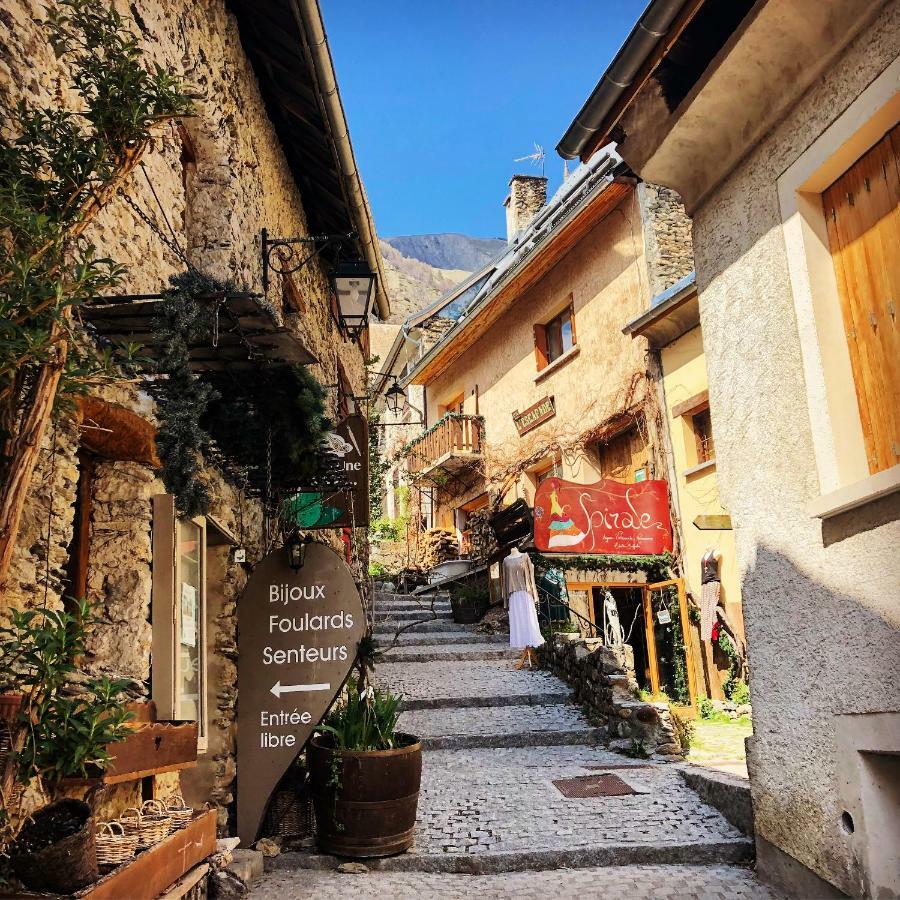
(691, 405)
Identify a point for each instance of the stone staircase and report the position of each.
(497, 741)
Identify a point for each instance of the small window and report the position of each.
(555, 338)
(701, 423)
(553, 469)
(178, 613)
(625, 458)
(454, 406)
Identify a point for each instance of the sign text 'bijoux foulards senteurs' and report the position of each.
(298, 635)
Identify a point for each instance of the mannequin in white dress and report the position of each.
(520, 596)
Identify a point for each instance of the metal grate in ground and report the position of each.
(585, 786)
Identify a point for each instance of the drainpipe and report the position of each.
(652, 27)
(309, 18)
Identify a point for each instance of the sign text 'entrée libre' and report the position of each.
(298, 634)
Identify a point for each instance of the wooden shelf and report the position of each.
(150, 873)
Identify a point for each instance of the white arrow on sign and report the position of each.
(278, 688)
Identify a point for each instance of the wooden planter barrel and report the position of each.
(374, 811)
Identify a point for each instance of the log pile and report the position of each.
(437, 546)
(481, 536)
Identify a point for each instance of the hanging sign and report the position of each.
(535, 415)
(341, 508)
(297, 637)
(606, 517)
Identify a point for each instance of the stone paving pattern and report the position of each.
(673, 882)
(492, 808)
(483, 678)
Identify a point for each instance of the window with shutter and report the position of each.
(862, 212)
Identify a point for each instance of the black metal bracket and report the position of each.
(282, 256)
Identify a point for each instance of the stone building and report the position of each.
(777, 123)
(266, 147)
(536, 384)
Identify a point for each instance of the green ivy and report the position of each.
(727, 647)
(655, 567)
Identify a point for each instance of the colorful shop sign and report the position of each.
(606, 517)
(535, 415)
(298, 636)
(339, 509)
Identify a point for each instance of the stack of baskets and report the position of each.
(149, 825)
(114, 846)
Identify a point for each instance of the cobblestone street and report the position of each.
(491, 818)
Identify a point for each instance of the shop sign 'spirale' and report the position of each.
(605, 517)
(298, 633)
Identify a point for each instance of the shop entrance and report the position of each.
(629, 607)
(655, 624)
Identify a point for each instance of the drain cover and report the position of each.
(593, 786)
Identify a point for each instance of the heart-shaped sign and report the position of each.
(298, 633)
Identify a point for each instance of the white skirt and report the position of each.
(524, 630)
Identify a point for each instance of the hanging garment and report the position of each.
(524, 630)
(709, 600)
(520, 593)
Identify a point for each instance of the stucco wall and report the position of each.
(684, 376)
(820, 601)
(605, 277)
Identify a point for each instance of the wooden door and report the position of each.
(668, 643)
(862, 211)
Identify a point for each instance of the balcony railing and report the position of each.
(453, 438)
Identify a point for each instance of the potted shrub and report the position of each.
(364, 774)
(59, 734)
(469, 602)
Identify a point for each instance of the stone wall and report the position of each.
(527, 196)
(604, 684)
(668, 247)
(237, 183)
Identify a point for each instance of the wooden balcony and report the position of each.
(453, 444)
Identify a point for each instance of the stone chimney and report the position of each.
(527, 196)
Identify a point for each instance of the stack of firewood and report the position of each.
(437, 546)
(481, 536)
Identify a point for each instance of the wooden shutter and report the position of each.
(862, 211)
(540, 346)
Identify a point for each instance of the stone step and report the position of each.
(691, 852)
(380, 597)
(413, 615)
(388, 627)
(417, 638)
(462, 653)
(506, 726)
(412, 607)
(481, 702)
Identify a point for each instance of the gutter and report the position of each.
(645, 37)
(309, 18)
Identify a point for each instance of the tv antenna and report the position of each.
(537, 158)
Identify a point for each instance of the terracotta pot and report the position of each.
(10, 704)
(374, 811)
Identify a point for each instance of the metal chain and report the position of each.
(154, 227)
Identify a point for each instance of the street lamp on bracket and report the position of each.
(351, 279)
(396, 402)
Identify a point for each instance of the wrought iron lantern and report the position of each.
(296, 548)
(354, 286)
(395, 398)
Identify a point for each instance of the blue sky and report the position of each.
(441, 97)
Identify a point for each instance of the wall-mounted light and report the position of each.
(296, 548)
(354, 286)
(395, 398)
(352, 281)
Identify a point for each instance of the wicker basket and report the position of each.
(149, 824)
(114, 846)
(290, 813)
(179, 812)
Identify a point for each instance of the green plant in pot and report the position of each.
(58, 733)
(365, 774)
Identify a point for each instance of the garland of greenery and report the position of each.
(283, 405)
(377, 467)
(182, 319)
(656, 567)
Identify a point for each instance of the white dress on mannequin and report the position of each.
(520, 592)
